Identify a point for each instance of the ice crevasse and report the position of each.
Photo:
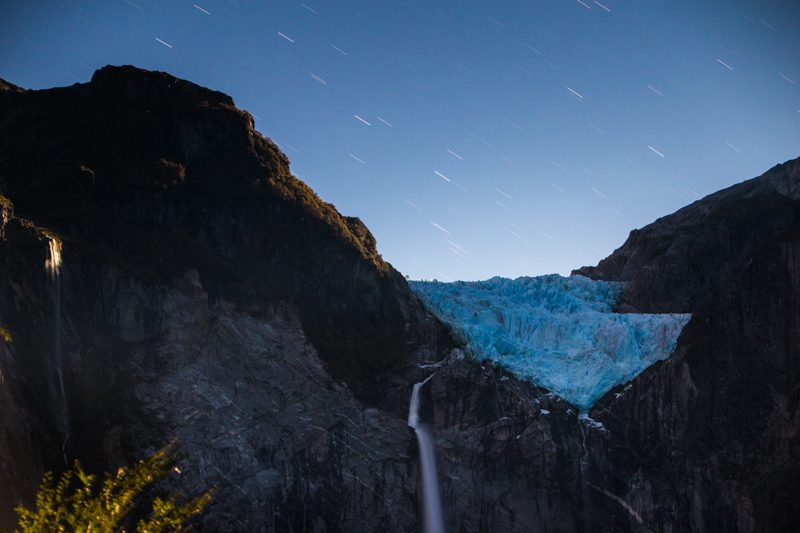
(559, 332)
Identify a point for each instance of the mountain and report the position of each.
(707, 438)
(164, 276)
(715, 430)
(206, 293)
(675, 263)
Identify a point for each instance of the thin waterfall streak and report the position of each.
(413, 408)
(585, 456)
(53, 267)
(434, 519)
(432, 504)
(53, 264)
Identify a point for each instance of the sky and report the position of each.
(474, 138)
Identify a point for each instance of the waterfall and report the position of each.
(53, 268)
(434, 519)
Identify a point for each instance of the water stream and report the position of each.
(53, 268)
(432, 504)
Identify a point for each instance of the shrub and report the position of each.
(78, 503)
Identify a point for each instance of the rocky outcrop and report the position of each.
(677, 262)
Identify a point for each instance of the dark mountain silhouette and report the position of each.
(715, 428)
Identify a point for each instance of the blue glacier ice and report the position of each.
(559, 332)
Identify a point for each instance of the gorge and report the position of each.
(201, 293)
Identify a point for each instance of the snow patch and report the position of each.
(559, 332)
(591, 422)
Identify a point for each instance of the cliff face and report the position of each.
(181, 227)
(163, 175)
(713, 433)
(206, 295)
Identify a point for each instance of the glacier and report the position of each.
(559, 332)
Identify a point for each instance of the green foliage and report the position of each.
(5, 336)
(78, 503)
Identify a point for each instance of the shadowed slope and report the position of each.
(676, 262)
(137, 165)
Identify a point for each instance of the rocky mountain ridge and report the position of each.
(673, 264)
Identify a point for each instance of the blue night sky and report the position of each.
(474, 138)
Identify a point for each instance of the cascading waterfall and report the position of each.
(53, 268)
(434, 519)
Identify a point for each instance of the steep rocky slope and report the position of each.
(206, 295)
(678, 261)
(713, 434)
(137, 165)
(181, 225)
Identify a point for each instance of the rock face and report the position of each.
(187, 244)
(714, 432)
(168, 176)
(678, 261)
(206, 295)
